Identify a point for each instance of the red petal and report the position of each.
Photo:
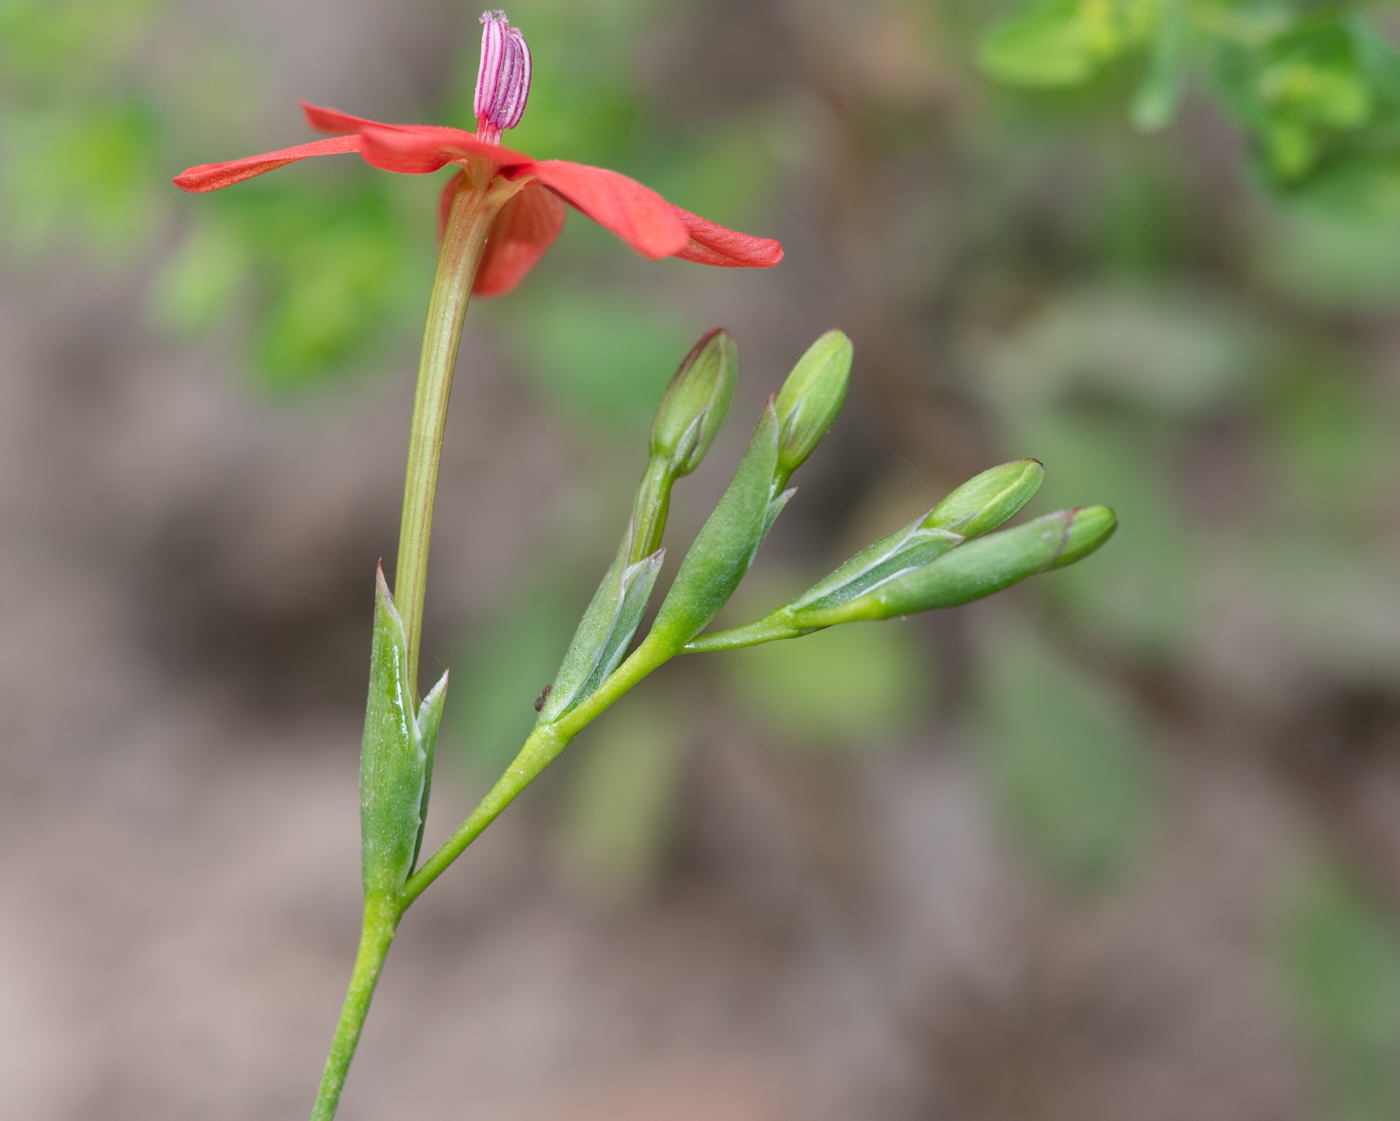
(420, 149)
(523, 231)
(213, 176)
(714, 245)
(333, 120)
(637, 214)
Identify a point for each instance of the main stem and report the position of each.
(477, 201)
(468, 223)
(381, 920)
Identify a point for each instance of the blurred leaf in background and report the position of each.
(1332, 259)
(1055, 43)
(1330, 436)
(85, 176)
(849, 687)
(598, 358)
(621, 802)
(511, 655)
(1340, 964)
(1095, 385)
(1314, 85)
(1066, 761)
(336, 268)
(81, 129)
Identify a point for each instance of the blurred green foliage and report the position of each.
(510, 656)
(1066, 762)
(1315, 86)
(620, 808)
(599, 360)
(842, 688)
(1340, 966)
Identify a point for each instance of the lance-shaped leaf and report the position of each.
(725, 547)
(605, 631)
(911, 547)
(1158, 96)
(429, 719)
(396, 756)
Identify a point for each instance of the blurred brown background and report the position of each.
(1121, 844)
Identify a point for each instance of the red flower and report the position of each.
(530, 222)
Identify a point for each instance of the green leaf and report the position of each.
(1340, 961)
(1378, 59)
(725, 546)
(395, 757)
(1066, 762)
(1052, 44)
(605, 631)
(429, 721)
(911, 547)
(1159, 96)
(1314, 73)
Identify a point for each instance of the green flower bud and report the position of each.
(687, 421)
(1089, 527)
(810, 400)
(695, 403)
(985, 501)
(983, 566)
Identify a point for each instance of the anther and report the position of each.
(503, 80)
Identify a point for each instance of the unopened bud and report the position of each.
(689, 417)
(503, 79)
(696, 402)
(984, 566)
(1089, 527)
(985, 501)
(810, 400)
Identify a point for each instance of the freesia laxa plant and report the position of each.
(499, 213)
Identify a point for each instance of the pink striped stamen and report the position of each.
(503, 79)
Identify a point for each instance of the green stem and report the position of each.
(474, 208)
(778, 625)
(650, 506)
(541, 749)
(479, 197)
(380, 922)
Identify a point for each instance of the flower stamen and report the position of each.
(503, 79)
